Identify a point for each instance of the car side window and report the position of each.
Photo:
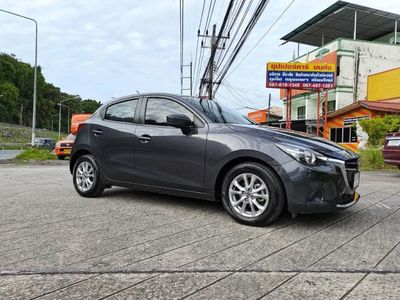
(122, 111)
(158, 109)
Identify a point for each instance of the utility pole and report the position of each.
(269, 107)
(34, 71)
(20, 116)
(211, 62)
(191, 79)
(211, 67)
(59, 114)
(59, 121)
(68, 121)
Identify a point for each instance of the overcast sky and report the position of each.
(104, 49)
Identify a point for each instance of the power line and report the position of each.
(250, 92)
(219, 62)
(198, 38)
(227, 85)
(181, 30)
(209, 15)
(222, 9)
(230, 23)
(232, 90)
(233, 98)
(205, 31)
(268, 30)
(202, 12)
(214, 46)
(253, 21)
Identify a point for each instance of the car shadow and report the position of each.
(186, 203)
(125, 194)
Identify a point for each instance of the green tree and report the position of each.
(8, 102)
(16, 82)
(89, 106)
(377, 128)
(8, 70)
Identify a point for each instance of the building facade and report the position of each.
(355, 61)
(383, 97)
(358, 48)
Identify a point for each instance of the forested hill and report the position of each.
(16, 94)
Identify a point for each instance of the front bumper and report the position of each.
(63, 151)
(326, 188)
(393, 162)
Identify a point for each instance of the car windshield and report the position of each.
(70, 137)
(219, 113)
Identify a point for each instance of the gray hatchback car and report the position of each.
(192, 147)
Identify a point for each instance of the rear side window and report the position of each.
(158, 109)
(122, 111)
(393, 142)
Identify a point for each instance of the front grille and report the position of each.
(352, 167)
(352, 164)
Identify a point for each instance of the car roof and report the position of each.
(182, 98)
(170, 95)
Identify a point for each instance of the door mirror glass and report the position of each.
(179, 120)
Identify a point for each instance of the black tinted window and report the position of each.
(344, 135)
(158, 109)
(122, 111)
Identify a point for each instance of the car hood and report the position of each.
(310, 141)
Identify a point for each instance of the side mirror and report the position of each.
(179, 121)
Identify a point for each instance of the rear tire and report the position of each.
(86, 177)
(252, 194)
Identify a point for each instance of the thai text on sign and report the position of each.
(301, 75)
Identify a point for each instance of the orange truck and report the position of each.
(63, 147)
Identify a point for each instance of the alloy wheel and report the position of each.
(85, 176)
(248, 195)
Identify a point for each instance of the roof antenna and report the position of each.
(137, 92)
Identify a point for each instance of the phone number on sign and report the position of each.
(293, 85)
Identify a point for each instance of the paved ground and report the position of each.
(9, 154)
(127, 244)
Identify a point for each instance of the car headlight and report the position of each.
(302, 154)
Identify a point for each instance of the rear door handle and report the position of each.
(145, 138)
(97, 132)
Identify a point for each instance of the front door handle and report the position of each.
(97, 132)
(145, 138)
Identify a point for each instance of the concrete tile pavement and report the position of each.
(126, 244)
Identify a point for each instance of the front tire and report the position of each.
(252, 194)
(61, 157)
(86, 177)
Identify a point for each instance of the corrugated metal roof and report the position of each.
(392, 106)
(384, 106)
(337, 21)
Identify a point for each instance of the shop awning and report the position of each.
(337, 21)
